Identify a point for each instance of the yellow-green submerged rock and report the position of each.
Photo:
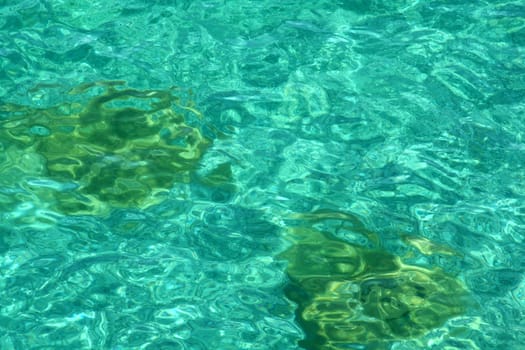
(348, 294)
(123, 148)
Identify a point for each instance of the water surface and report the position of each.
(171, 170)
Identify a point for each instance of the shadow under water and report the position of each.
(351, 297)
(123, 148)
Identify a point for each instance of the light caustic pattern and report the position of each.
(125, 148)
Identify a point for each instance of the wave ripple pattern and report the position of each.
(404, 116)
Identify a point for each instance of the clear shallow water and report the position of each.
(406, 117)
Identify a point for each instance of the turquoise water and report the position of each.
(392, 126)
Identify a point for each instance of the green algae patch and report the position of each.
(122, 148)
(348, 295)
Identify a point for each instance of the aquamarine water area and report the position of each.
(241, 174)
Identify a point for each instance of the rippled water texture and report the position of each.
(315, 175)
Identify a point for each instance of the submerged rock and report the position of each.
(349, 296)
(123, 148)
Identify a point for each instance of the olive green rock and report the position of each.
(348, 295)
(123, 148)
